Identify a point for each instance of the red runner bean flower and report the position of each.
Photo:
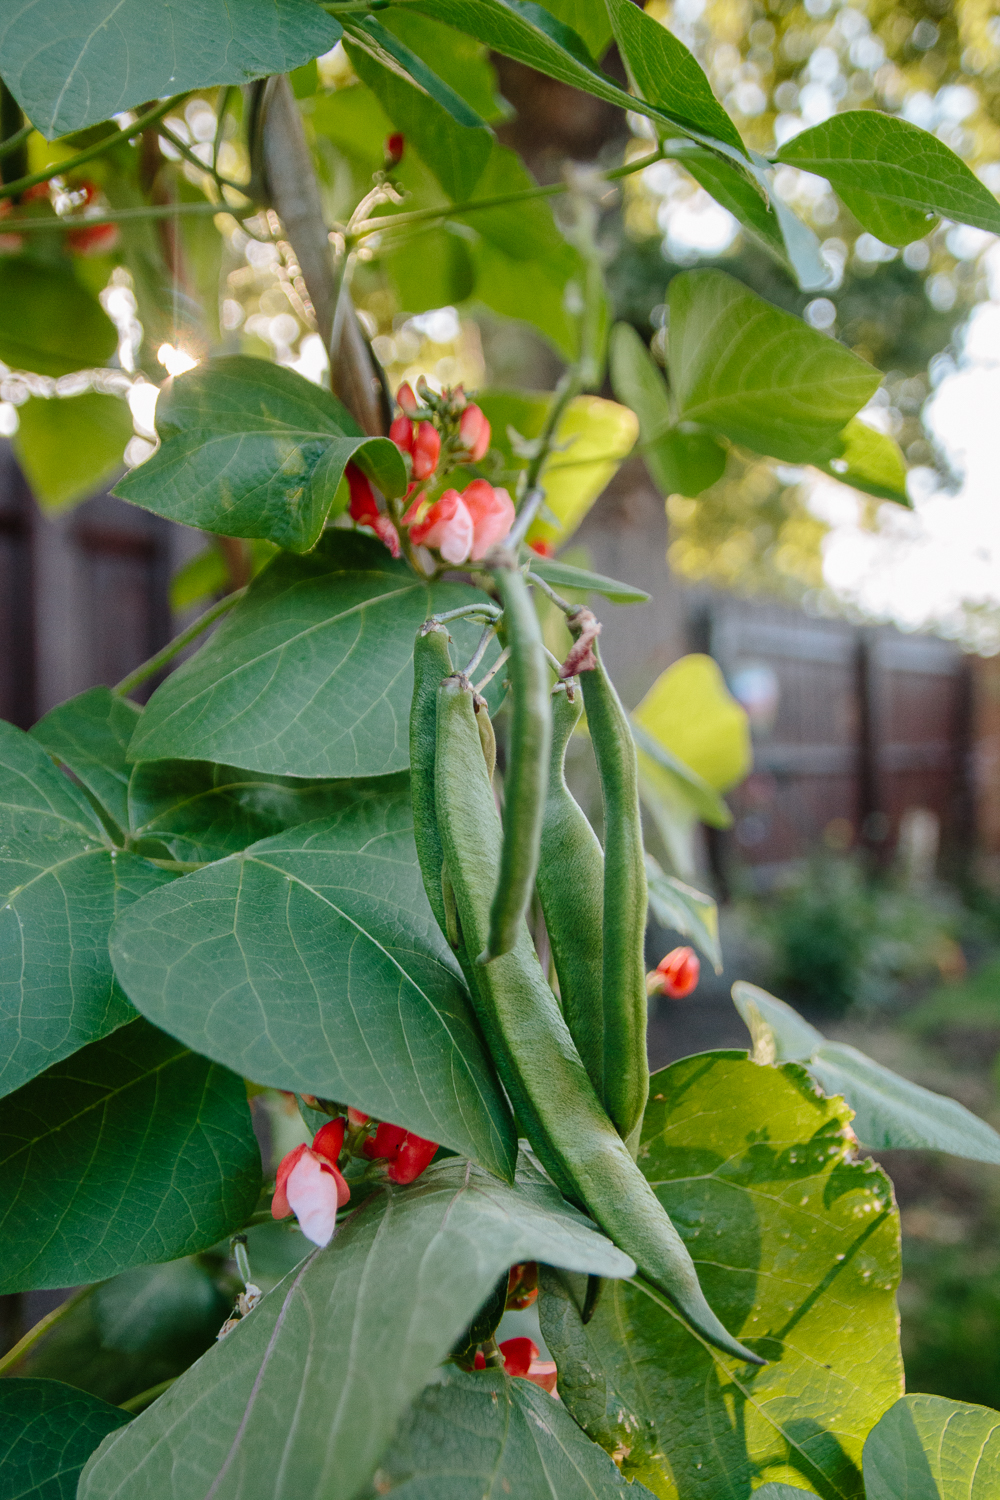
(310, 1185)
(676, 975)
(407, 1155)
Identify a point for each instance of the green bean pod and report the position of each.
(531, 1044)
(431, 662)
(624, 1086)
(487, 738)
(527, 763)
(570, 884)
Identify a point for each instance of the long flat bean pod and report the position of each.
(570, 884)
(624, 1085)
(530, 1042)
(527, 763)
(431, 662)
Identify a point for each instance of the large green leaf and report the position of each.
(666, 74)
(75, 62)
(51, 324)
(484, 1434)
(890, 1112)
(248, 448)
(61, 885)
(533, 35)
(894, 177)
(930, 1448)
(47, 1432)
(312, 962)
(70, 447)
(452, 139)
(678, 462)
(760, 375)
(797, 1247)
(311, 674)
(301, 1400)
(133, 1151)
(90, 734)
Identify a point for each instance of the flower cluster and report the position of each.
(676, 975)
(436, 434)
(311, 1185)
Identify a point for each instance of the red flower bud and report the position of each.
(407, 1155)
(522, 1286)
(541, 546)
(363, 506)
(356, 1118)
(406, 399)
(329, 1140)
(474, 430)
(675, 975)
(386, 533)
(401, 432)
(394, 145)
(520, 1359)
(426, 448)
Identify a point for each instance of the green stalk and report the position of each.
(41, 1328)
(152, 666)
(58, 169)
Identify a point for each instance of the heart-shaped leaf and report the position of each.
(797, 1247)
(759, 375)
(890, 1112)
(133, 1151)
(61, 886)
(482, 1434)
(930, 1448)
(77, 62)
(894, 177)
(312, 962)
(300, 1401)
(311, 673)
(251, 449)
(47, 1432)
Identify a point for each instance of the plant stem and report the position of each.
(540, 583)
(458, 210)
(489, 611)
(220, 127)
(43, 1325)
(170, 650)
(124, 215)
(14, 141)
(500, 661)
(59, 168)
(146, 1398)
(196, 161)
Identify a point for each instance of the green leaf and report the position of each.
(312, 962)
(531, 291)
(69, 447)
(533, 35)
(201, 811)
(248, 448)
(485, 1434)
(797, 1247)
(461, 61)
(893, 176)
(666, 74)
(930, 1448)
(589, 19)
(682, 909)
(133, 1151)
(47, 1432)
(664, 775)
(870, 461)
(300, 1401)
(433, 269)
(757, 374)
(50, 324)
(678, 462)
(90, 735)
(76, 62)
(452, 139)
(563, 576)
(61, 886)
(311, 673)
(889, 1111)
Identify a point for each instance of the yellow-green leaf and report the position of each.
(870, 461)
(691, 712)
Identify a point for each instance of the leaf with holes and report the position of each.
(251, 449)
(61, 886)
(131, 1152)
(49, 1430)
(797, 1248)
(759, 375)
(311, 673)
(894, 177)
(76, 62)
(368, 1319)
(312, 962)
